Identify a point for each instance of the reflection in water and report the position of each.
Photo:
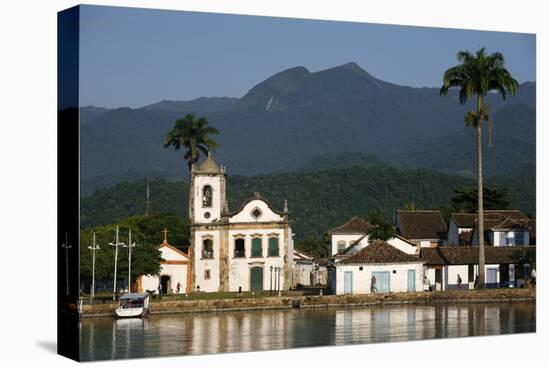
(106, 338)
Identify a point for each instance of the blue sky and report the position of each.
(134, 57)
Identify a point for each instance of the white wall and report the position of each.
(402, 245)
(244, 216)
(239, 268)
(176, 272)
(215, 211)
(213, 284)
(361, 278)
(451, 274)
(348, 238)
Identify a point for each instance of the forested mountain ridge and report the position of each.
(318, 200)
(296, 115)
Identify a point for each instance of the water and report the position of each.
(187, 334)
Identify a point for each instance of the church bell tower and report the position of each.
(208, 201)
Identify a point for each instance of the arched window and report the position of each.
(256, 247)
(207, 197)
(239, 247)
(207, 249)
(273, 247)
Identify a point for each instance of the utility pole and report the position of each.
(116, 246)
(147, 200)
(66, 246)
(93, 248)
(130, 245)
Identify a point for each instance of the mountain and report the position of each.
(513, 146)
(318, 200)
(296, 115)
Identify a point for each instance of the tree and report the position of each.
(465, 200)
(193, 135)
(475, 76)
(382, 231)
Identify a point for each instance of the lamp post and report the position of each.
(66, 246)
(270, 280)
(130, 245)
(116, 246)
(93, 248)
(277, 271)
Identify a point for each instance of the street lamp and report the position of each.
(116, 246)
(130, 245)
(270, 279)
(66, 246)
(93, 248)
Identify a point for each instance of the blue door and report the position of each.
(411, 280)
(348, 282)
(382, 281)
(491, 281)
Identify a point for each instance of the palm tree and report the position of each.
(475, 76)
(193, 135)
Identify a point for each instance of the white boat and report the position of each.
(133, 305)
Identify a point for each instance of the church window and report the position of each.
(207, 274)
(273, 248)
(207, 197)
(239, 247)
(341, 246)
(256, 213)
(207, 249)
(256, 247)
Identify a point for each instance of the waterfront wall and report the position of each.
(249, 304)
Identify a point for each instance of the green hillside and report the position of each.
(318, 200)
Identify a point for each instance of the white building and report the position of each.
(308, 270)
(346, 235)
(502, 228)
(174, 270)
(247, 249)
(393, 269)
(506, 266)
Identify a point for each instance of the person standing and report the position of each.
(476, 282)
(373, 288)
(178, 288)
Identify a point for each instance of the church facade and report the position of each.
(249, 249)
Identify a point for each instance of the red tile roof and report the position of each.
(421, 224)
(469, 255)
(379, 252)
(355, 225)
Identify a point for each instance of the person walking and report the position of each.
(458, 281)
(373, 288)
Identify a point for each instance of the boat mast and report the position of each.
(115, 245)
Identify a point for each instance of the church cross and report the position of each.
(165, 231)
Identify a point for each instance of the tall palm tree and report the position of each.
(193, 135)
(475, 76)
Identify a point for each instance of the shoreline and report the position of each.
(311, 302)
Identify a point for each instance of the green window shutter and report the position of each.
(256, 247)
(273, 246)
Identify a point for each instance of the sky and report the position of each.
(135, 57)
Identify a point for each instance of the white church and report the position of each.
(249, 249)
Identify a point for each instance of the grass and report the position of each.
(214, 295)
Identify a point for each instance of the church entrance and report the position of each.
(256, 279)
(165, 285)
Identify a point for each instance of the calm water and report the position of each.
(168, 335)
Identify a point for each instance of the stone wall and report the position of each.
(248, 304)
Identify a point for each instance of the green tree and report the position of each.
(465, 200)
(475, 76)
(313, 245)
(146, 257)
(383, 230)
(194, 135)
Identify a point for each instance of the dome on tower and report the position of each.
(209, 165)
